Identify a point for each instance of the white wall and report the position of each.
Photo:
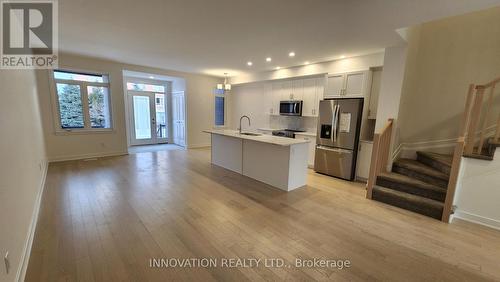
(22, 164)
(478, 191)
(451, 54)
(199, 99)
(391, 84)
(337, 66)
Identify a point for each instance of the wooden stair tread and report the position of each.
(421, 168)
(441, 158)
(396, 177)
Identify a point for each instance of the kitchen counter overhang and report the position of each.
(277, 161)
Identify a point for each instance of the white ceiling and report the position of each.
(217, 36)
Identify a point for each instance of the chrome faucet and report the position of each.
(248, 121)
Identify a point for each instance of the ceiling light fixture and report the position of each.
(342, 57)
(226, 86)
(278, 68)
(249, 63)
(291, 54)
(268, 59)
(306, 63)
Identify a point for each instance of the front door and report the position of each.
(148, 118)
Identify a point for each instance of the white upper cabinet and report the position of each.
(335, 85)
(313, 93)
(270, 107)
(347, 85)
(309, 90)
(309, 97)
(277, 93)
(354, 84)
(297, 89)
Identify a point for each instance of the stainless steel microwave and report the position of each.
(291, 108)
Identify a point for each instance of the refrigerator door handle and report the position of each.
(335, 121)
(337, 117)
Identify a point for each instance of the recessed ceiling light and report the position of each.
(249, 63)
(342, 57)
(278, 68)
(291, 54)
(152, 77)
(306, 63)
(268, 59)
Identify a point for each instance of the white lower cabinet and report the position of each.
(364, 160)
(312, 147)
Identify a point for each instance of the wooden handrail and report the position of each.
(473, 118)
(467, 136)
(380, 155)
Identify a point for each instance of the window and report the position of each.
(83, 100)
(220, 117)
(145, 87)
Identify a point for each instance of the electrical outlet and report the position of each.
(7, 262)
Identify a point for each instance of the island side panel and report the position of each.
(227, 152)
(267, 163)
(297, 176)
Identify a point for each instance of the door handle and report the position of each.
(335, 121)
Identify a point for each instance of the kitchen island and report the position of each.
(278, 161)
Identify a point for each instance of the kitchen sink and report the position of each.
(251, 134)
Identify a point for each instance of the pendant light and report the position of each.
(226, 86)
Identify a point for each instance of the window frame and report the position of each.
(223, 95)
(87, 129)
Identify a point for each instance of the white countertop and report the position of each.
(275, 140)
(312, 134)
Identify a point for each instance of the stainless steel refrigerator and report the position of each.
(337, 138)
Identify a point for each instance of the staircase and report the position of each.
(427, 185)
(416, 185)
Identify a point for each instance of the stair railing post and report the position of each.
(381, 148)
(485, 120)
(474, 121)
(497, 135)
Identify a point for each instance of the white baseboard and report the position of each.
(470, 217)
(25, 256)
(86, 156)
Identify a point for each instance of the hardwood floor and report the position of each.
(104, 220)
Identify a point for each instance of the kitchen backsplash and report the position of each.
(284, 122)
